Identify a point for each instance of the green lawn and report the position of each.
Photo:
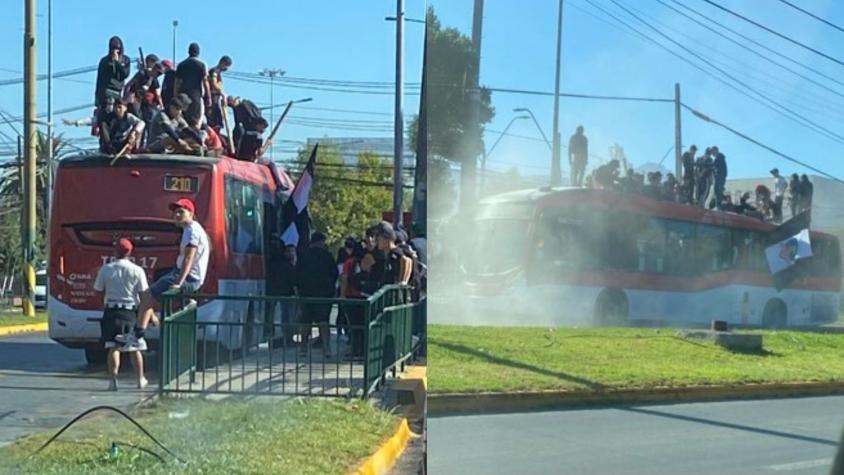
(501, 359)
(294, 436)
(14, 317)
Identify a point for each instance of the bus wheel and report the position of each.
(775, 314)
(611, 308)
(95, 355)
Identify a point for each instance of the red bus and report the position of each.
(584, 256)
(95, 204)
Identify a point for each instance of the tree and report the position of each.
(348, 198)
(11, 193)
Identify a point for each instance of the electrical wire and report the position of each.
(763, 100)
(706, 118)
(759, 44)
(774, 32)
(822, 20)
(744, 46)
(578, 96)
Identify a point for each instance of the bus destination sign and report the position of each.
(180, 184)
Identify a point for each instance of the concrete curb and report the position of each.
(383, 459)
(486, 403)
(24, 328)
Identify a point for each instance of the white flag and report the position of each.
(787, 252)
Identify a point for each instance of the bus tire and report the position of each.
(611, 308)
(95, 355)
(775, 315)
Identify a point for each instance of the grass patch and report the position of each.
(502, 359)
(234, 437)
(14, 317)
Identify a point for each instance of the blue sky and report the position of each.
(518, 51)
(331, 40)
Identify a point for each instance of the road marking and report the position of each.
(801, 465)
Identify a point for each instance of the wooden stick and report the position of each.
(275, 129)
(120, 153)
(226, 124)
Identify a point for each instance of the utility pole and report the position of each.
(175, 24)
(556, 174)
(678, 136)
(472, 143)
(30, 131)
(398, 122)
(48, 199)
(420, 176)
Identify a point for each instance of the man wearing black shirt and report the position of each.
(689, 173)
(168, 84)
(111, 74)
(281, 282)
(719, 174)
(316, 276)
(807, 189)
(578, 155)
(215, 81)
(192, 79)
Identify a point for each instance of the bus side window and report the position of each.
(679, 252)
(714, 250)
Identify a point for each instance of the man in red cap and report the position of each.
(122, 282)
(191, 265)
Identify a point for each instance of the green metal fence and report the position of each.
(245, 348)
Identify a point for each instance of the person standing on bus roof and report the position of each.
(704, 169)
(168, 83)
(122, 283)
(794, 194)
(122, 129)
(111, 75)
(578, 156)
(780, 187)
(192, 79)
(191, 265)
(807, 189)
(215, 83)
(719, 169)
(689, 173)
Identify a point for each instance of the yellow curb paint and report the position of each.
(416, 372)
(386, 456)
(25, 328)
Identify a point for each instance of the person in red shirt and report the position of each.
(350, 288)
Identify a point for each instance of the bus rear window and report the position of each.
(143, 235)
(827, 257)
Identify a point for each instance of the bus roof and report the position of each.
(634, 202)
(97, 160)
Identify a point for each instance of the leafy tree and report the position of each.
(347, 198)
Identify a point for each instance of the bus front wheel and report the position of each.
(611, 308)
(775, 315)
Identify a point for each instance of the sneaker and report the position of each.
(142, 383)
(112, 385)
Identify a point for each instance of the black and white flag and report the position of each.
(296, 222)
(790, 250)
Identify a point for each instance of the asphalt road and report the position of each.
(43, 385)
(791, 436)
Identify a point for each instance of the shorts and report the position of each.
(116, 321)
(315, 313)
(169, 279)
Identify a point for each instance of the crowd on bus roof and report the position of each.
(384, 255)
(167, 108)
(703, 184)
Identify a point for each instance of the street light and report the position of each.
(487, 153)
(175, 24)
(272, 73)
(525, 109)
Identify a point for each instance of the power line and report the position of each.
(706, 118)
(761, 45)
(578, 96)
(774, 32)
(58, 75)
(812, 15)
(742, 45)
(769, 103)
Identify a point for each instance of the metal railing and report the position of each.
(261, 345)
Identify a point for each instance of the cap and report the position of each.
(167, 64)
(385, 230)
(185, 203)
(124, 246)
(774, 170)
(317, 237)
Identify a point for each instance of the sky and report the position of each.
(331, 40)
(600, 57)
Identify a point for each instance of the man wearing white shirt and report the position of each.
(122, 283)
(780, 186)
